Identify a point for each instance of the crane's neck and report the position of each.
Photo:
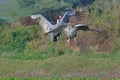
(58, 20)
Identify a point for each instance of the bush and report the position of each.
(16, 39)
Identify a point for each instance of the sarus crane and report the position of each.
(62, 25)
(45, 25)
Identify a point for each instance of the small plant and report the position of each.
(92, 50)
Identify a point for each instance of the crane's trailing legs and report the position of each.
(75, 42)
(69, 42)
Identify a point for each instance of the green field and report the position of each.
(91, 67)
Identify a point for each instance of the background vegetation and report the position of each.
(29, 43)
(16, 39)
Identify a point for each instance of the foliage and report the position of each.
(22, 8)
(26, 3)
(25, 43)
(2, 21)
(18, 41)
(103, 15)
(76, 3)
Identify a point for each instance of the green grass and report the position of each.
(85, 78)
(67, 66)
(47, 78)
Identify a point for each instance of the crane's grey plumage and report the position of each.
(71, 32)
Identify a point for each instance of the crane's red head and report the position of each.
(58, 17)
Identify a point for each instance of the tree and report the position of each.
(49, 8)
(26, 3)
(76, 3)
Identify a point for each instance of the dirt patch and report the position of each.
(82, 74)
(36, 74)
(17, 73)
(29, 74)
(103, 75)
(112, 73)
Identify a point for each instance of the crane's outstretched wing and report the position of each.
(74, 17)
(78, 18)
(58, 29)
(67, 18)
(37, 20)
(28, 21)
(85, 27)
(80, 15)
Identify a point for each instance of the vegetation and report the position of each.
(62, 67)
(15, 38)
(47, 79)
(28, 48)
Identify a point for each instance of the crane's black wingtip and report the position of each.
(99, 31)
(46, 34)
